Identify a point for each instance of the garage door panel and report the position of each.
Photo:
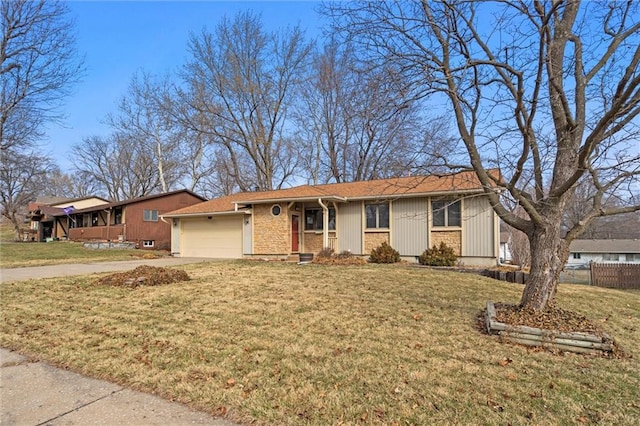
(219, 237)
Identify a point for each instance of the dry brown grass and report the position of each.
(279, 343)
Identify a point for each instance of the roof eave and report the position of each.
(224, 213)
(292, 199)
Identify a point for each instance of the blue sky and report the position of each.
(119, 38)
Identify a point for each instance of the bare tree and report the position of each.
(119, 167)
(143, 119)
(38, 65)
(358, 122)
(243, 79)
(21, 178)
(69, 185)
(550, 91)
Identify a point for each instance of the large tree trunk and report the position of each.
(549, 253)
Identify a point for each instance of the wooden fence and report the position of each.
(616, 275)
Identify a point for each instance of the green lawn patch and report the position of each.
(279, 343)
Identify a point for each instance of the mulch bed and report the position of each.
(553, 318)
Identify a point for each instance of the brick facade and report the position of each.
(271, 234)
(451, 238)
(374, 239)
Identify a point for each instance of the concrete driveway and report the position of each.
(67, 270)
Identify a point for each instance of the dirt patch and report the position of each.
(144, 276)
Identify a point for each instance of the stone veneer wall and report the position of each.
(271, 234)
(451, 238)
(374, 239)
(313, 242)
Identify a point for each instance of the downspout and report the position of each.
(325, 224)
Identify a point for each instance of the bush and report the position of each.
(442, 255)
(326, 252)
(344, 254)
(384, 254)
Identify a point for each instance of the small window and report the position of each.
(377, 215)
(610, 257)
(86, 220)
(576, 255)
(148, 243)
(150, 216)
(314, 219)
(94, 219)
(117, 215)
(446, 213)
(276, 210)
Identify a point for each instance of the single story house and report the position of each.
(583, 252)
(43, 224)
(410, 213)
(135, 220)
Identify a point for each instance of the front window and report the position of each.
(313, 219)
(576, 255)
(377, 215)
(446, 213)
(94, 219)
(150, 216)
(610, 257)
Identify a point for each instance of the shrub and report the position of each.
(345, 257)
(384, 254)
(326, 252)
(344, 254)
(442, 255)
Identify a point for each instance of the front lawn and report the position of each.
(279, 343)
(21, 254)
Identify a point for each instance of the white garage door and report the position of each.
(218, 237)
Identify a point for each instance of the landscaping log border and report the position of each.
(585, 343)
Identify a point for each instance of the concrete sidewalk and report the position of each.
(35, 393)
(70, 269)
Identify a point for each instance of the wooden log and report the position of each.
(566, 342)
(548, 345)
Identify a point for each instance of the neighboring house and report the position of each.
(505, 242)
(582, 252)
(135, 220)
(410, 213)
(43, 224)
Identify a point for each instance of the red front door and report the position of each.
(295, 233)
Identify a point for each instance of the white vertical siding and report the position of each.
(247, 234)
(349, 224)
(410, 233)
(175, 235)
(478, 228)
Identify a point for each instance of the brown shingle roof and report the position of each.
(133, 201)
(463, 182)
